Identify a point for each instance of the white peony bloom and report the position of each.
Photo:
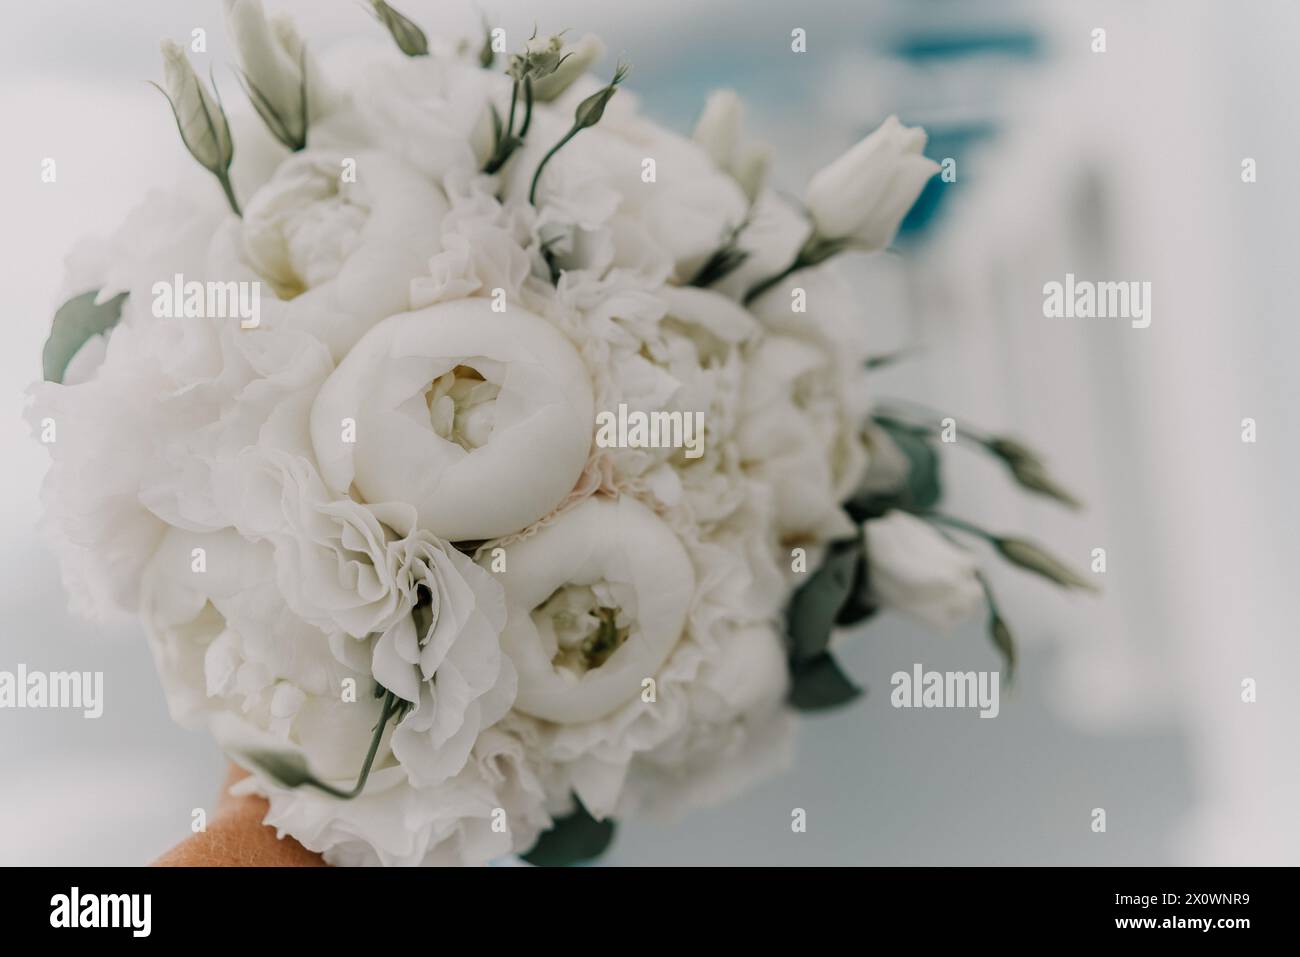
(338, 238)
(864, 195)
(915, 570)
(595, 603)
(481, 420)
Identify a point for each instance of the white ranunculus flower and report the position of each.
(339, 249)
(865, 193)
(481, 420)
(915, 570)
(796, 436)
(595, 603)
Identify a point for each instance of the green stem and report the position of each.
(771, 281)
(958, 523)
(532, 190)
(388, 709)
(514, 98)
(528, 106)
(224, 179)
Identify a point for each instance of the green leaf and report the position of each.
(815, 606)
(76, 322)
(858, 606)
(286, 768)
(819, 684)
(922, 489)
(572, 840)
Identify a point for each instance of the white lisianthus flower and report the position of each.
(480, 420)
(718, 130)
(592, 197)
(396, 825)
(338, 238)
(915, 570)
(795, 435)
(864, 195)
(429, 111)
(224, 640)
(396, 602)
(595, 603)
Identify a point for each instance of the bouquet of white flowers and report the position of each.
(486, 463)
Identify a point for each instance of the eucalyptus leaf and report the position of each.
(77, 321)
(572, 840)
(815, 606)
(819, 684)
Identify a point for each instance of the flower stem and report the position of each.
(771, 281)
(528, 107)
(532, 190)
(390, 706)
(960, 524)
(224, 179)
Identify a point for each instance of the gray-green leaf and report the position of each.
(572, 840)
(77, 321)
(819, 684)
(814, 607)
(287, 768)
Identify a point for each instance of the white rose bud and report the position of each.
(864, 195)
(199, 117)
(272, 59)
(915, 570)
(578, 59)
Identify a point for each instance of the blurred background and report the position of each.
(1122, 165)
